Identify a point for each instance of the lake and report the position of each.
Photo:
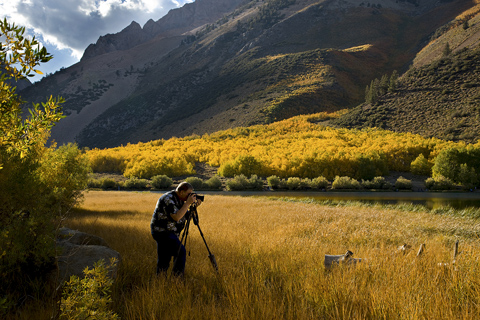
(431, 200)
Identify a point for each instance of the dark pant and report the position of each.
(168, 246)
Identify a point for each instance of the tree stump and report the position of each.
(331, 260)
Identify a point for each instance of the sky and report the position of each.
(67, 27)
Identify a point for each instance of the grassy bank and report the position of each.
(270, 255)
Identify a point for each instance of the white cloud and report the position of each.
(67, 27)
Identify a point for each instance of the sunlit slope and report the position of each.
(439, 96)
(300, 146)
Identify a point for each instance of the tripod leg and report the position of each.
(210, 255)
(179, 258)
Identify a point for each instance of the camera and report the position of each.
(199, 197)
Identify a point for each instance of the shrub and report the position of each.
(108, 184)
(238, 183)
(274, 182)
(241, 182)
(376, 183)
(136, 184)
(255, 183)
(162, 182)
(214, 183)
(94, 183)
(439, 183)
(196, 183)
(403, 184)
(295, 183)
(88, 297)
(319, 183)
(345, 183)
(38, 185)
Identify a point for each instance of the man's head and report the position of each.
(183, 190)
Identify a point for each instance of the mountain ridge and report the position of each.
(262, 62)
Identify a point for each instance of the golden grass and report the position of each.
(270, 256)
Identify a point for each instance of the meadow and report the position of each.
(270, 255)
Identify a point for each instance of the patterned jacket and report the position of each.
(169, 203)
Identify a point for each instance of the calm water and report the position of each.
(430, 200)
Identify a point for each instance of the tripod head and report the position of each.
(194, 213)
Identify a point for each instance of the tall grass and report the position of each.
(270, 256)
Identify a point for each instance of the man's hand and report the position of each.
(192, 198)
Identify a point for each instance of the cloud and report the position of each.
(67, 27)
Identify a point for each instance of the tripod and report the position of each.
(193, 215)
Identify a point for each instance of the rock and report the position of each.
(80, 238)
(78, 250)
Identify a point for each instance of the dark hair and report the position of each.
(183, 186)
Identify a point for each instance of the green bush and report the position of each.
(439, 183)
(274, 182)
(94, 183)
(162, 182)
(241, 182)
(319, 183)
(345, 183)
(108, 184)
(255, 183)
(38, 185)
(295, 183)
(214, 183)
(403, 184)
(196, 183)
(376, 183)
(238, 183)
(136, 184)
(88, 298)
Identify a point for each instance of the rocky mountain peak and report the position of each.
(175, 22)
(129, 37)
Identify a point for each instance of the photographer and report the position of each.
(167, 222)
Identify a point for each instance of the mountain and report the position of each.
(439, 96)
(217, 64)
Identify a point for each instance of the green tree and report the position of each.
(371, 92)
(392, 85)
(447, 50)
(243, 164)
(37, 184)
(19, 58)
(383, 84)
(420, 165)
(461, 165)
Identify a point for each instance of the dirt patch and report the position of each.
(418, 182)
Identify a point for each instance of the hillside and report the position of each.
(439, 98)
(245, 63)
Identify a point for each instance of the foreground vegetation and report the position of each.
(270, 256)
(38, 184)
